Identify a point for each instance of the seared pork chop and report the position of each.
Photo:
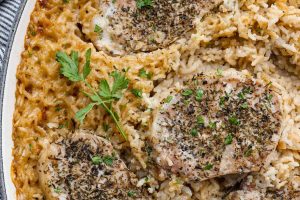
(145, 25)
(264, 195)
(84, 166)
(255, 188)
(216, 126)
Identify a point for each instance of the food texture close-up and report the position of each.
(158, 99)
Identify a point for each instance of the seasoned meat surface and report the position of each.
(216, 126)
(143, 26)
(254, 187)
(85, 166)
(264, 195)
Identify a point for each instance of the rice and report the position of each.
(256, 37)
(250, 35)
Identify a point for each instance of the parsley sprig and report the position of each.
(108, 160)
(104, 96)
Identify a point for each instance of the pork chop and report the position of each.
(84, 166)
(216, 126)
(264, 195)
(254, 188)
(127, 26)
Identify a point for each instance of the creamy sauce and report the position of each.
(106, 42)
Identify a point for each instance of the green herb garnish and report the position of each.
(208, 166)
(228, 139)
(57, 108)
(69, 65)
(178, 181)
(98, 30)
(187, 92)
(65, 124)
(144, 3)
(144, 74)
(212, 125)
(222, 101)
(151, 39)
(248, 152)
(186, 102)
(168, 99)
(131, 193)
(137, 93)
(194, 132)
(200, 120)
(199, 94)
(61, 126)
(241, 95)
(219, 72)
(108, 160)
(234, 121)
(247, 90)
(96, 160)
(57, 190)
(269, 84)
(244, 105)
(105, 127)
(269, 97)
(104, 96)
(148, 149)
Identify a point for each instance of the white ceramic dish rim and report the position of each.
(7, 96)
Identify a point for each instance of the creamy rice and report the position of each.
(260, 38)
